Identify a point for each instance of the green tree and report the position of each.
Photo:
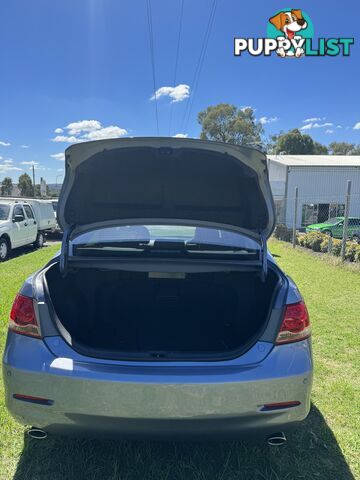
(320, 149)
(355, 150)
(296, 143)
(6, 186)
(344, 148)
(25, 185)
(227, 123)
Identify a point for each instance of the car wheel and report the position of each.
(356, 238)
(327, 232)
(4, 249)
(40, 239)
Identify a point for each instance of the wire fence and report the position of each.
(333, 213)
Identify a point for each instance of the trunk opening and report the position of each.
(149, 315)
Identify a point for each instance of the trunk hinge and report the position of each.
(64, 255)
(264, 262)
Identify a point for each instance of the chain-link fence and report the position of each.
(329, 212)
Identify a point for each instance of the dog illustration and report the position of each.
(289, 23)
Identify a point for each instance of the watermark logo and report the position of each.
(290, 34)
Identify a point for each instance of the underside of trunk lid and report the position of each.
(194, 181)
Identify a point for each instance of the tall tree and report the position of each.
(6, 186)
(25, 185)
(296, 143)
(320, 149)
(344, 148)
(227, 123)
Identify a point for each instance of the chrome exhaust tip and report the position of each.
(37, 433)
(276, 439)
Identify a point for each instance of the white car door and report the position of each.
(31, 227)
(19, 233)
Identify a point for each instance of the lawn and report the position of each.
(326, 447)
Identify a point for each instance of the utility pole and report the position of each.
(34, 189)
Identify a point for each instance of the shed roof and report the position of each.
(317, 160)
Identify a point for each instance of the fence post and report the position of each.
(295, 217)
(330, 244)
(346, 220)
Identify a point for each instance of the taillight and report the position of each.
(23, 318)
(295, 325)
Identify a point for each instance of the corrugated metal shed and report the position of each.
(321, 181)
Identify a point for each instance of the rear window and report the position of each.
(4, 212)
(29, 212)
(156, 237)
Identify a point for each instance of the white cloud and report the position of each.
(177, 94)
(8, 161)
(4, 144)
(5, 167)
(64, 138)
(313, 119)
(84, 130)
(356, 126)
(30, 163)
(180, 135)
(107, 132)
(58, 156)
(316, 125)
(24, 146)
(246, 107)
(339, 126)
(265, 120)
(60, 170)
(75, 128)
(329, 131)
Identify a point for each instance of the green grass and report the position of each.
(325, 447)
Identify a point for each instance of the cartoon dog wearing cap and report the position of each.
(289, 23)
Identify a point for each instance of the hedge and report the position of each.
(319, 242)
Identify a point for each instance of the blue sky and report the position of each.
(89, 60)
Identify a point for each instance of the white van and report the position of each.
(24, 222)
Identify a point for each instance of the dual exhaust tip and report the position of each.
(275, 439)
(37, 433)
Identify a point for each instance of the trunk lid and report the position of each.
(194, 182)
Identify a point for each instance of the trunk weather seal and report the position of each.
(264, 259)
(64, 255)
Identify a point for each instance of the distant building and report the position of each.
(321, 182)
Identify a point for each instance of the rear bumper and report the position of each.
(162, 400)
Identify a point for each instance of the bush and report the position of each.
(301, 240)
(357, 254)
(324, 246)
(282, 232)
(352, 252)
(313, 240)
(336, 247)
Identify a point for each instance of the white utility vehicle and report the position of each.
(24, 222)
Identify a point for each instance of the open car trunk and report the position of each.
(126, 314)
